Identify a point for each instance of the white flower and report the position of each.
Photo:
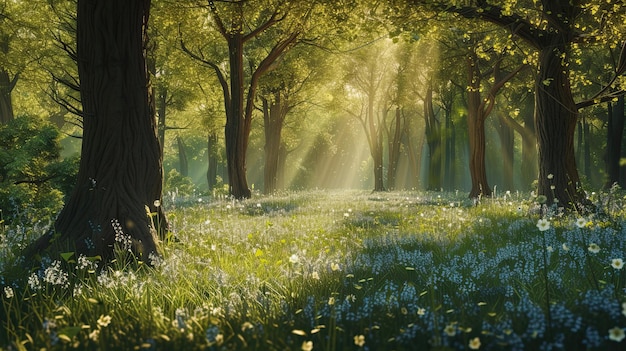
(616, 334)
(550, 176)
(8, 292)
(315, 276)
(543, 224)
(617, 263)
(549, 248)
(474, 344)
(593, 248)
(422, 311)
(450, 330)
(581, 222)
(294, 259)
(157, 203)
(565, 247)
(334, 267)
(33, 282)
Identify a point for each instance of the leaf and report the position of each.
(66, 256)
(69, 333)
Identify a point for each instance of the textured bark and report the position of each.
(476, 131)
(394, 141)
(120, 174)
(274, 114)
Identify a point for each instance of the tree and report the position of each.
(120, 174)
(239, 103)
(551, 31)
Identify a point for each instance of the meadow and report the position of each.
(349, 270)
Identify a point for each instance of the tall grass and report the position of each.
(337, 271)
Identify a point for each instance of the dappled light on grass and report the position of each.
(335, 271)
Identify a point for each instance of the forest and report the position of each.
(120, 119)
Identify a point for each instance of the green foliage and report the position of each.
(176, 182)
(33, 178)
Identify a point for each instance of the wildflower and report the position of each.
(543, 224)
(359, 340)
(213, 335)
(334, 266)
(593, 248)
(421, 311)
(549, 248)
(450, 330)
(617, 263)
(307, 345)
(157, 203)
(474, 344)
(616, 334)
(93, 336)
(550, 176)
(552, 187)
(55, 275)
(565, 247)
(104, 321)
(331, 301)
(8, 292)
(294, 259)
(315, 276)
(581, 222)
(180, 314)
(33, 282)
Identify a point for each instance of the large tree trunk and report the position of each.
(236, 135)
(555, 117)
(614, 134)
(450, 154)
(120, 174)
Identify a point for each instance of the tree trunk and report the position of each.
(161, 110)
(615, 131)
(6, 106)
(394, 140)
(476, 133)
(235, 132)
(182, 157)
(529, 149)
(555, 117)
(433, 139)
(120, 174)
(450, 154)
(273, 117)
(507, 147)
(211, 174)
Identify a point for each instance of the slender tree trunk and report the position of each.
(433, 139)
(120, 174)
(273, 117)
(212, 148)
(182, 157)
(507, 147)
(6, 106)
(161, 111)
(394, 140)
(529, 150)
(615, 132)
(476, 133)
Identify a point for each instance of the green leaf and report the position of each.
(67, 256)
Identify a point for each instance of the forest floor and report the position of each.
(338, 270)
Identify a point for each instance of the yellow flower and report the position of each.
(474, 344)
(307, 345)
(359, 340)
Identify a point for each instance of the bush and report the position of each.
(33, 178)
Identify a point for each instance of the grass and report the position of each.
(337, 271)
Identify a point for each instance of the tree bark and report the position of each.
(120, 174)
(211, 174)
(274, 114)
(394, 140)
(615, 132)
(182, 157)
(507, 147)
(555, 123)
(476, 132)
(6, 87)
(433, 139)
